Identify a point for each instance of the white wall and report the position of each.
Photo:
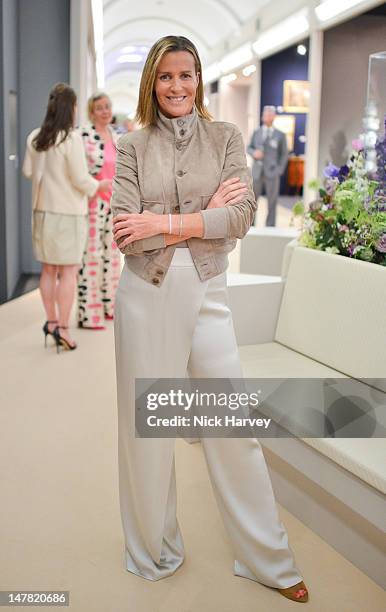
(234, 105)
(239, 104)
(346, 51)
(82, 55)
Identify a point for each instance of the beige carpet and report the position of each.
(59, 515)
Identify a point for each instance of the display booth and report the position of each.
(284, 84)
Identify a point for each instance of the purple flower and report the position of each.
(343, 173)
(331, 185)
(381, 244)
(331, 171)
(350, 250)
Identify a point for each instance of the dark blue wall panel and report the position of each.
(286, 65)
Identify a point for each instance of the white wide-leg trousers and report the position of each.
(185, 328)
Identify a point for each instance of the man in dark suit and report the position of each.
(268, 147)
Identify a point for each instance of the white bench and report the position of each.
(331, 323)
(261, 250)
(255, 301)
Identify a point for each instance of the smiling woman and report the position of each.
(183, 181)
(176, 83)
(172, 70)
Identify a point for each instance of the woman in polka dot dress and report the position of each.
(99, 275)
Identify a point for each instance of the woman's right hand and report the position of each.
(104, 185)
(230, 192)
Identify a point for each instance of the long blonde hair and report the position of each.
(147, 103)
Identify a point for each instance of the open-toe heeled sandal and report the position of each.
(60, 341)
(298, 592)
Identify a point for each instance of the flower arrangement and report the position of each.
(349, 217)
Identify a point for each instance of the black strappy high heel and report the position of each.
(47, 332)
(60, 341)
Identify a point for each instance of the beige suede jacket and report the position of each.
(176, 167)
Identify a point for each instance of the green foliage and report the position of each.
(314, 184)
(298, 209)
(346, 219)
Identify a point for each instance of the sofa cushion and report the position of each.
(363, 457)
(366, 458)
(334, 311)
(254, 300)
(273, 360)
(261, 250)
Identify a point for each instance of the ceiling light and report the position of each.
(135, 49)
(228, 78)
(248, 70)
(236, 58)
(330, 8)
(283, 32)
(301, 49)
(133, 58)
(212, 73)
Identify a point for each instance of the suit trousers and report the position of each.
(185, 328)
(272, 186)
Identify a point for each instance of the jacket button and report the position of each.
(160, 272)
(182, 132)
(179, 147)
(180, 173)
(177, 208)
(155, 281)
(180, 122)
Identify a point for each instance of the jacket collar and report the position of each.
(179, 128)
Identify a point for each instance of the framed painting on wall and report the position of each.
(286, 124)
(296, 96)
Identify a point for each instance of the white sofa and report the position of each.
(331, 323)
(255, 301)
(261, 250)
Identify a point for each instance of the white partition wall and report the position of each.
(238, 101)
(313, 122)
(82, 55)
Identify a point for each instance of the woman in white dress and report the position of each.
(55, 161)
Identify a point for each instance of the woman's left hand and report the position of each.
(136, 227)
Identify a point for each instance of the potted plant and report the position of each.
(349, 216)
